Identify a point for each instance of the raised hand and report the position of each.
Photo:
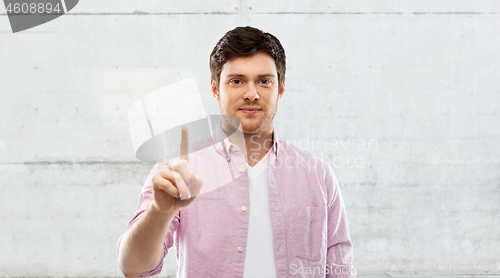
(170, 186)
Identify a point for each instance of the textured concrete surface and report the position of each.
(401, 98)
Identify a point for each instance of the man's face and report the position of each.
(248, 90)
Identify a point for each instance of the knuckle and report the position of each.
(176, 175)
(164, 170)
(155, 178)
(183, 163)
(158, 181)
(173, 165)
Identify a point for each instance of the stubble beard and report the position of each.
(264, 124)
(256, 128)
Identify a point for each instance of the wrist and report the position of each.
(155, 210)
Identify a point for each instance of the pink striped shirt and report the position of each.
(310, 231)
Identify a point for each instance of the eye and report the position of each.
(236, 82)
(265, 82)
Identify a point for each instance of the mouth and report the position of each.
(250, 110)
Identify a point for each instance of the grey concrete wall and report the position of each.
(401, 98)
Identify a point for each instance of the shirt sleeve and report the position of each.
(340, 251)
(145, 199)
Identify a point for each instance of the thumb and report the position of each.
(197, 182)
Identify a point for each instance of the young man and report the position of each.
(280, 215)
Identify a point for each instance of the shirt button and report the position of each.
(240, 249)
(234, 149)
(243, 208)
(241, 170)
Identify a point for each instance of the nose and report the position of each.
(251, 92)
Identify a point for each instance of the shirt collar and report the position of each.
(219, 136)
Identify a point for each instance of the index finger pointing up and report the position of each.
(184, 144)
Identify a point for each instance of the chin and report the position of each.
(250, 128)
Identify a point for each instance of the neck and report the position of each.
(254, 146)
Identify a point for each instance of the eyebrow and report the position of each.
(241, 75)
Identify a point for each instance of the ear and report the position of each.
(215, 91)
(282, 89)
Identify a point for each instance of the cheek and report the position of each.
(229, 100)
(226, 103)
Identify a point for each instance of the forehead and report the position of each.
(257, 64)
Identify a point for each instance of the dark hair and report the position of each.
(245, 42)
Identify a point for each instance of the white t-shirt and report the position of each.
(259, 256)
